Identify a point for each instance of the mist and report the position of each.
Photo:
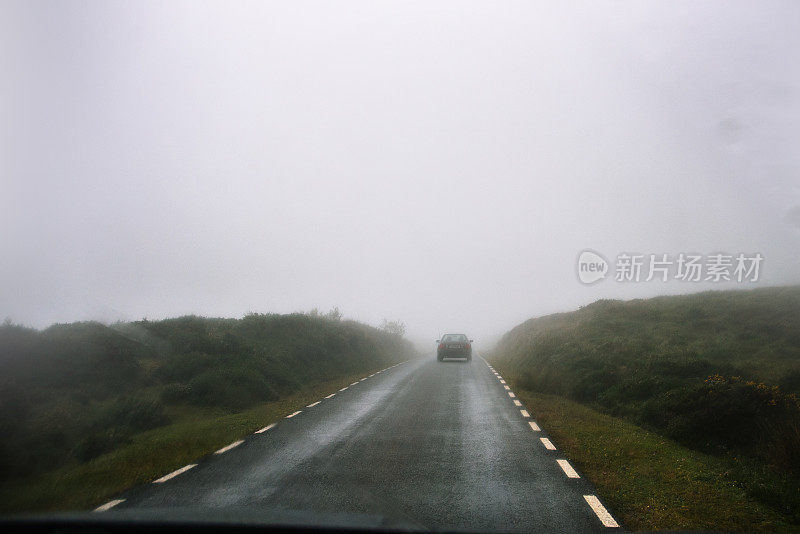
(442, 164)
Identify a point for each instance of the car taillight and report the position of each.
(441, 345)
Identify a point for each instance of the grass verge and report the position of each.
(651, 482)
(151, 454)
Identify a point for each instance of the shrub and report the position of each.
(100, 442)
(235, 388)
(131, 414)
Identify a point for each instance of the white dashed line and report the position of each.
(534, 427)
(600, 510)
(229, 447)
(109, 505)
(511, 394)
(261, 431)
(502, 381)
(547, 444)
(568, 470)
(174, 473)
(500, 377)
(506, 387)
(517, 403)
(354, 383)
(331, 395)
(525, 413)
(313, 404)
(344, 388)
(363, 379)
(293, 414)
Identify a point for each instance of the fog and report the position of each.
(438, 163)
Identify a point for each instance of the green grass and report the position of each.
(649, 481)
(717, 372)
(151, 454)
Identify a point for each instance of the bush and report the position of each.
(230, 388)
(176, 393)
(132, 414)
(100, 442)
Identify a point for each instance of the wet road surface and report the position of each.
(421, 445)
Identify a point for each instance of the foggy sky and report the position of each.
(440, 163)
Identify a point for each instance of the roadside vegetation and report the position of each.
(715, 372)
(650, 482)
(77, 400)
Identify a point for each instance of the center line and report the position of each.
(601, 511)
(517, 403)
(108, 505)
(331, 395)
(313, 404)
(525, 413)
(534, 427)
(265, 429)
(568, 470)
(229, 447)
(293, 414)
(174, 474)
(547, 444)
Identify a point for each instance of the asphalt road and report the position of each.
(423, 444)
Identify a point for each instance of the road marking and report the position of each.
(229, 447)
(517, 403)
(174, 473)
(506, 387)
(547, 444)
(265, 429)
(353, 384)
(600, 510)
(511, 394)
(109, 505)
(534, 427)
(293, 414)
(525, 413)
(500, 377)
(502, 381)
(313, 404)
(363, 379)
(568, 470)
(344, 388)
(331, 395)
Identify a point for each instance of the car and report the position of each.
(454, 346)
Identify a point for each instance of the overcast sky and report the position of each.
(440, 163)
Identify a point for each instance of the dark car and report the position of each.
(454, 346)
